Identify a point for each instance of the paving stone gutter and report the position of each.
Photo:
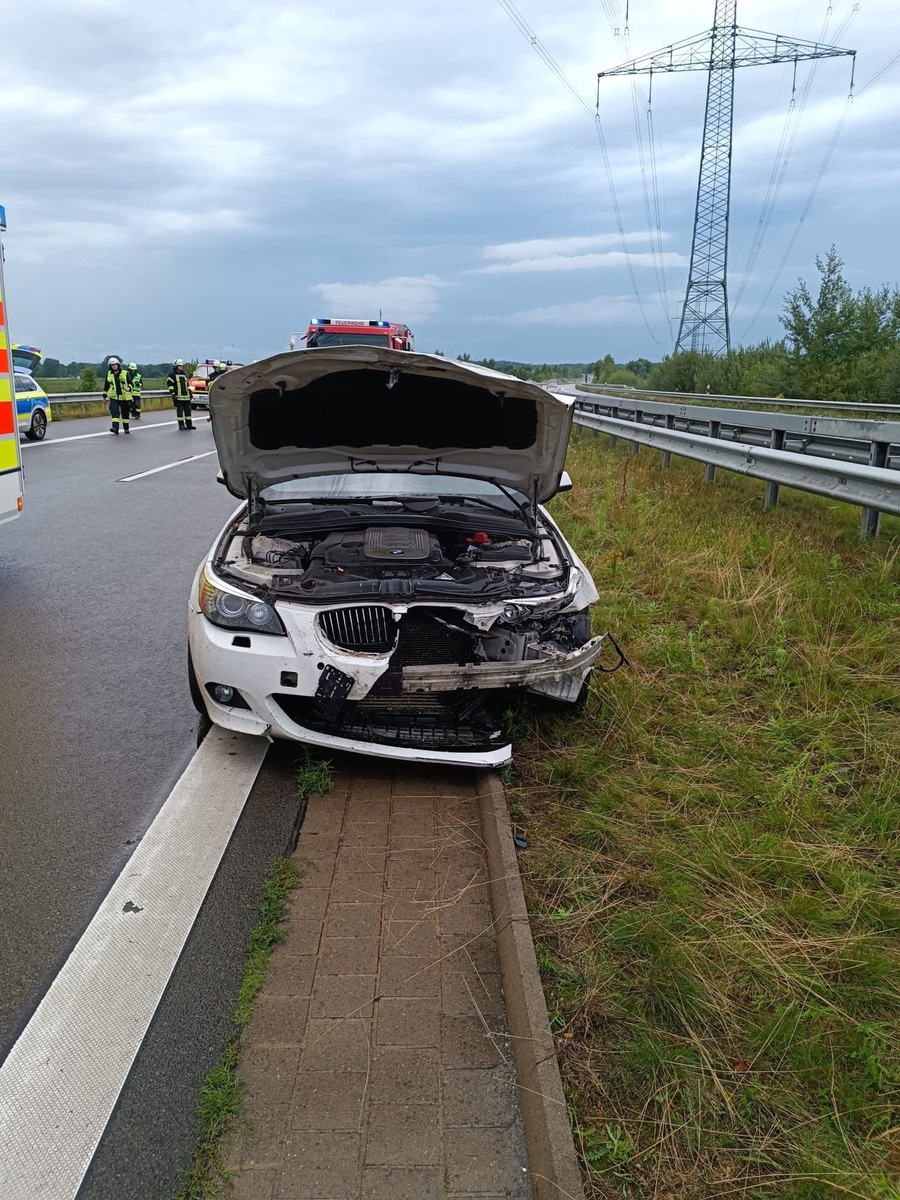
(400, 1047)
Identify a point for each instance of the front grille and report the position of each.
(366, 627)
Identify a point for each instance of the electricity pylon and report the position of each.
(704, 318)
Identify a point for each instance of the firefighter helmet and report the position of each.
(179, 362)
(132, 366)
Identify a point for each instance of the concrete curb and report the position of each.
(552, 1161)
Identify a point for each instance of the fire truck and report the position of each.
(11, 481)
(347, 331)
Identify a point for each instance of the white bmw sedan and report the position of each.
(391, 579)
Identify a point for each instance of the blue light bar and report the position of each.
(2, 217)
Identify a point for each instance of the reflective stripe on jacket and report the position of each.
(117, 386)
(176, 382)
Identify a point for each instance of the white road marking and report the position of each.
(168, 467)
(80, 437)
(61, 1081)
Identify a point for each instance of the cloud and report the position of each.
(576, 254)
(584, 262)
(402, 298)
(433, 168)
(613, 309)
(551, 247)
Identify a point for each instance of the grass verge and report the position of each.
(221, 1099)
(715, 843)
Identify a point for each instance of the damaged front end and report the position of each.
(444, 684)
(451, 622)
(392, 581)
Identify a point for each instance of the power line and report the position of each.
(815, 187)
(547, 58)
(720, 51)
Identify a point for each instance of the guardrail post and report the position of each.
(638, 420)
(714, 427)
(878, 456)
(776, 441)
(667, 454)
(613, 412)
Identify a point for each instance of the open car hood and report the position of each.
(364, 408)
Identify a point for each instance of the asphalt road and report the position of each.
(97, 726)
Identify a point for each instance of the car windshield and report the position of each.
(330, 338)
(203, 371)
(385, 485)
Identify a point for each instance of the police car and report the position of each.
(32, 406)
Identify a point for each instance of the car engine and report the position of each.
(310, 566)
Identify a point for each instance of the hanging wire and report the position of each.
(819, 177)
(782, 159)
(547, 58)
(657, 207)
(544, 54)
(878, 74)
(641, 103)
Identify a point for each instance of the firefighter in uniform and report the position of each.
(136, 383)
(176, 382)
(219, 368)
(118, 393)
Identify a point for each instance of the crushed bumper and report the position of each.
(531, 673)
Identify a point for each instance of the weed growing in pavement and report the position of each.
(714, 848)
(312, 774)
(221, 1099)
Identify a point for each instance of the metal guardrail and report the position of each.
(88, 397)
(617, 389)
(849, 459)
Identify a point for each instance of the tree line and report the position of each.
(52, 368)
(840, 344)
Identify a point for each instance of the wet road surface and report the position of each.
(97, 727)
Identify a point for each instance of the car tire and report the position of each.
(195, 689)
(38, 428)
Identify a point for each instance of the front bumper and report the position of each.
(258, 666)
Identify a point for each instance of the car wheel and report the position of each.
(38, 427)
(196, 692)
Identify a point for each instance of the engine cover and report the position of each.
(379, 548)
(383, 542)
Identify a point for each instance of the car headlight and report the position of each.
(232, 611)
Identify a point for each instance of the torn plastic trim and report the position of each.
(449, 677)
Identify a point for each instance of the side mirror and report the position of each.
(565, 483)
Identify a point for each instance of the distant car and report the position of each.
(392, 581)
(198, 384)
(32, 407)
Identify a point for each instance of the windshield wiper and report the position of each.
(497, 508)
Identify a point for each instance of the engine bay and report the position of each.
(446, 558)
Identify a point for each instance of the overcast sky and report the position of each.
(199, 178)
